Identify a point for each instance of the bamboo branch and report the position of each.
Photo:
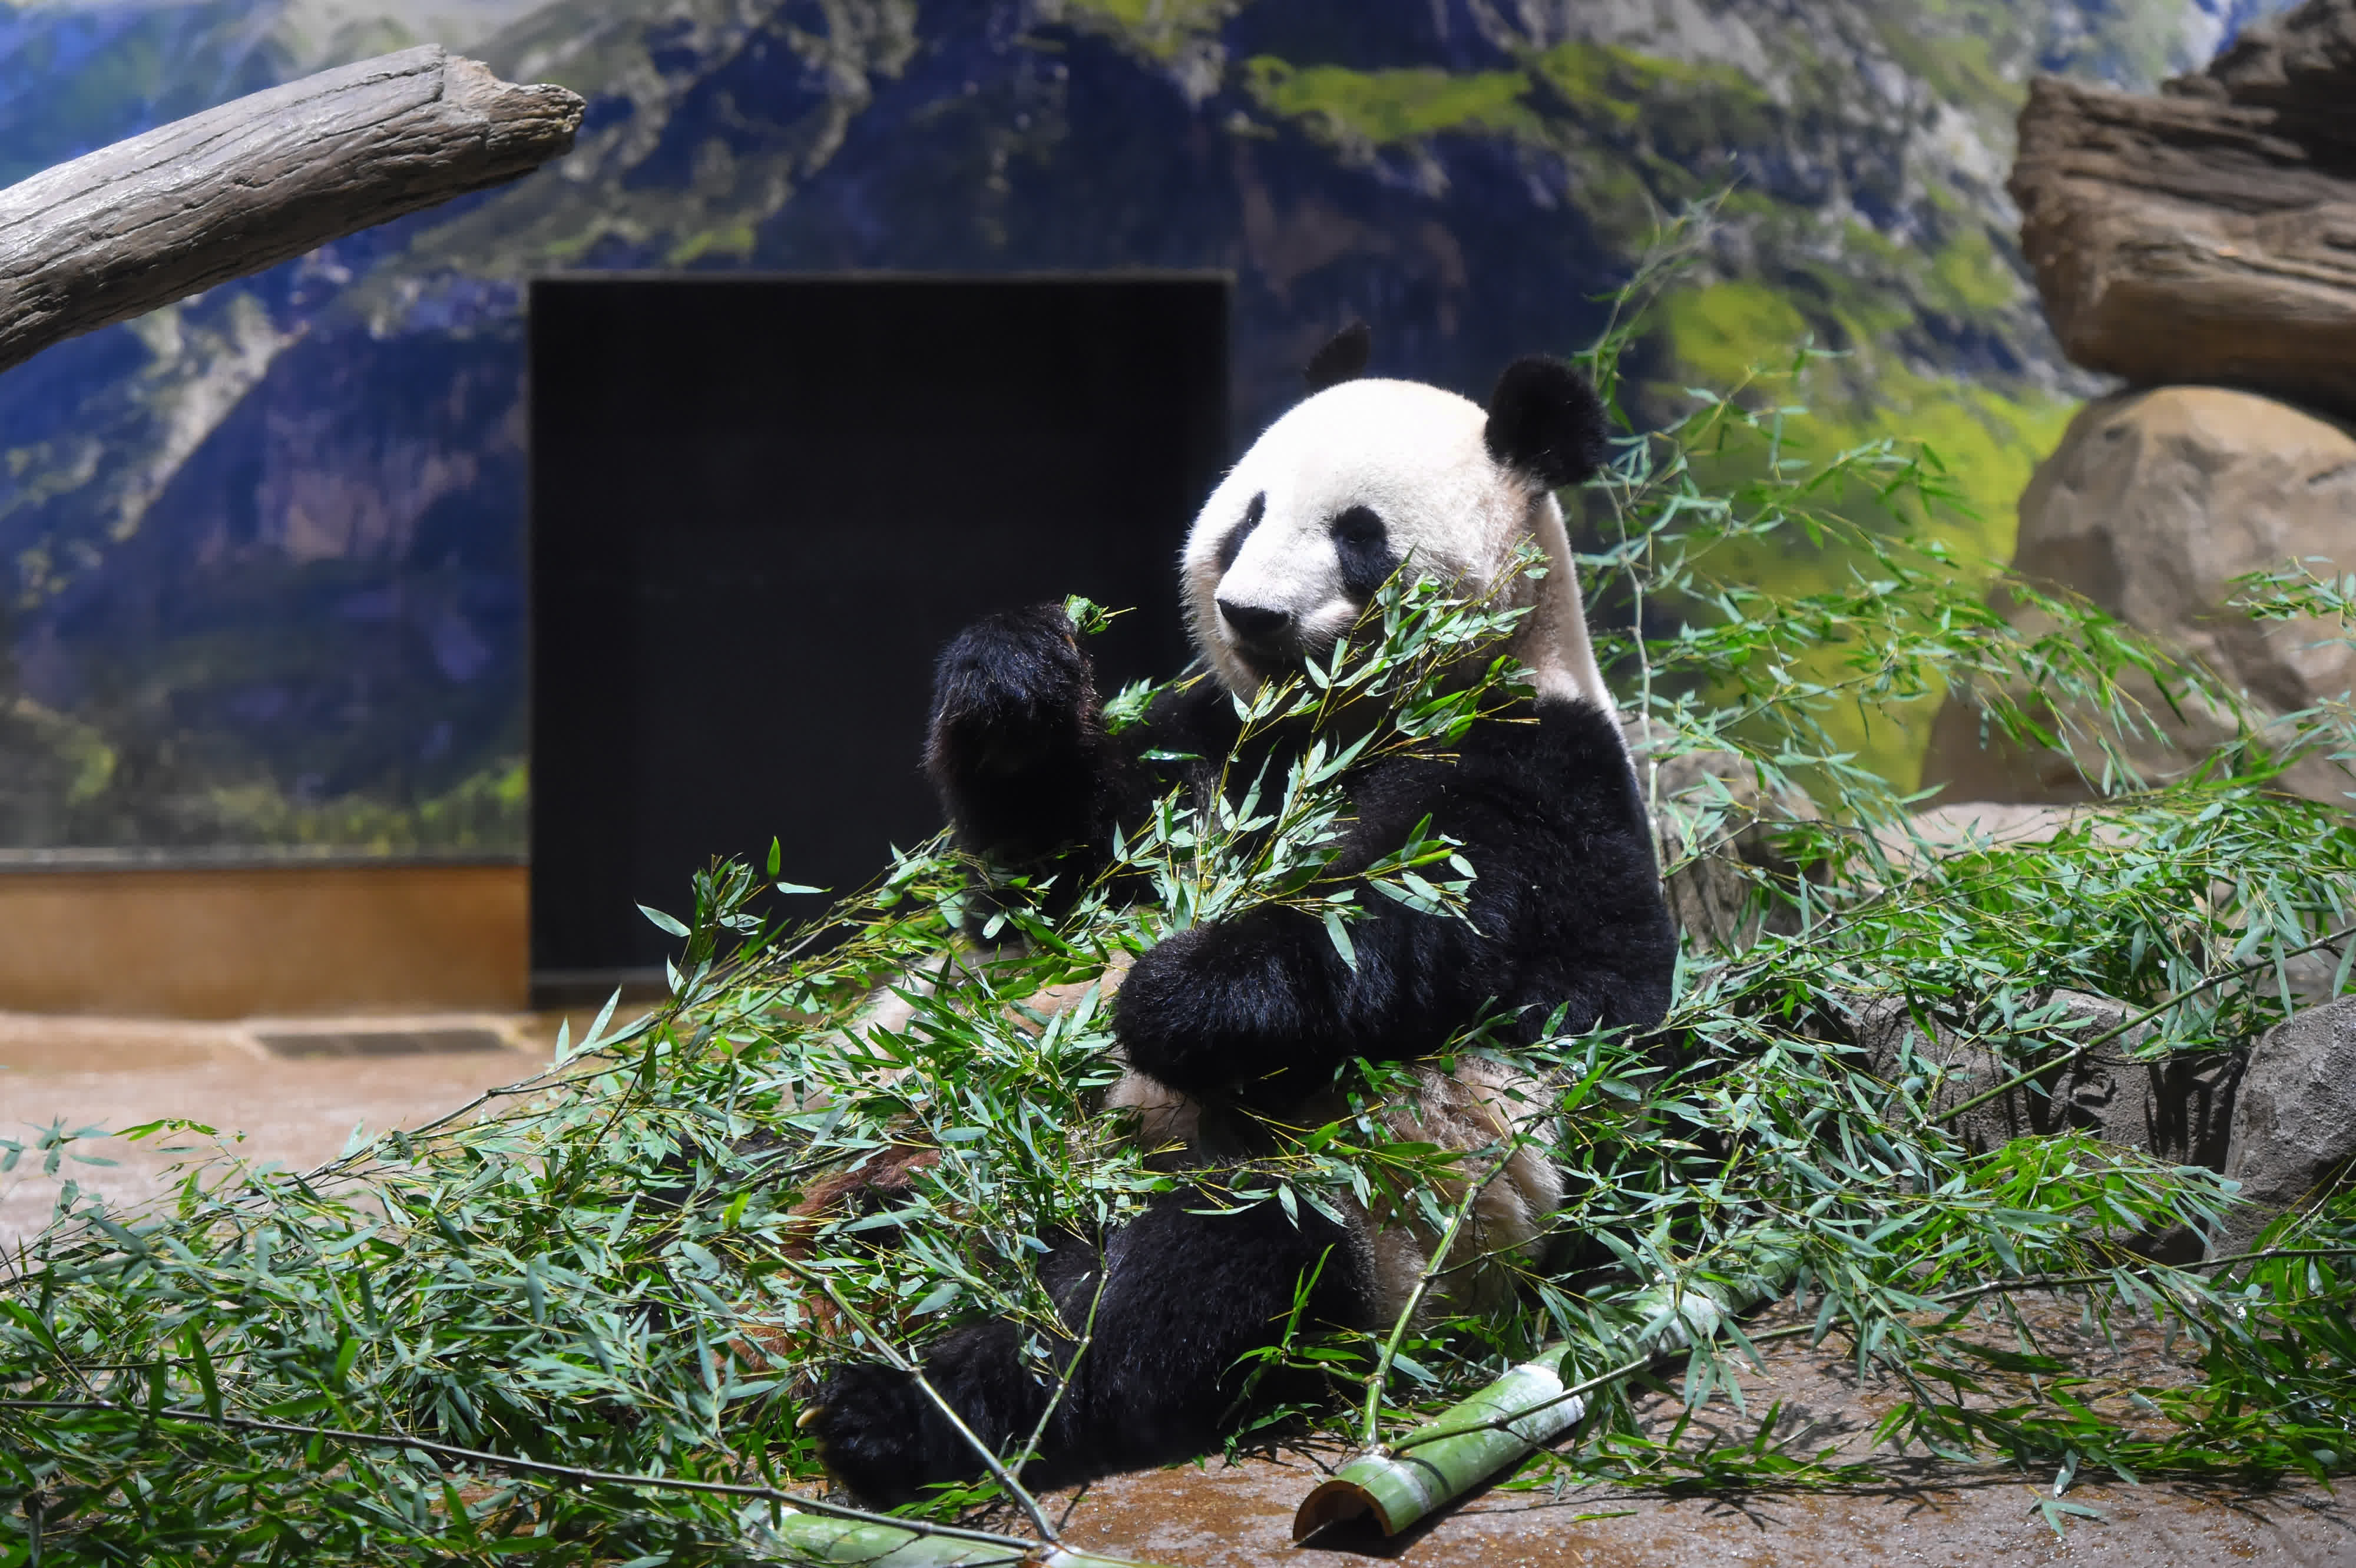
(856, 1536)
(1071, 1369)
(1443, 1428)
(514, 1465)
(175, 211)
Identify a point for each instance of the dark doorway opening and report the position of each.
(760, 505)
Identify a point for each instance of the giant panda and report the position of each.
(1256, 1014)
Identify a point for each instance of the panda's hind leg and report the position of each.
(1160, 1327)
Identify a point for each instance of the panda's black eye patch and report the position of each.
(1363, 545)
(1233, 544)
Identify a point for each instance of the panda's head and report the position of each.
(1365, 475)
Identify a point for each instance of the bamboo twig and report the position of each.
(1380, 1376)
(1072, 1367)
(1945, 1298)
(402, 1439)
(1400, 1487)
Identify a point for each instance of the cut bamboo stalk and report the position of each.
(813, 1539)
(1400, 1488)
(1440, 1461)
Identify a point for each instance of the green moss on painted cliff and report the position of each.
(1383, 108)
(1986, 439)
(1158, 30)
(1684, 107)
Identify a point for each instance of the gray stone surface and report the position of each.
(2177, 1109)
(2154, 502)
(2294, 1126)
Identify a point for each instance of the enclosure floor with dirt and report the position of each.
(295, 1091)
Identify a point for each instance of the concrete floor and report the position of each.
(300, 1110)
(119, 1072)
(1220, 1516)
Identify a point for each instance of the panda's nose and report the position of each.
(1253, 625)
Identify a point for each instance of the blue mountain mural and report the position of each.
(262, 551)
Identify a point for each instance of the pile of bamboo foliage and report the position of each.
(581, 1316)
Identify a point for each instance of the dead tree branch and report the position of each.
(169, 213)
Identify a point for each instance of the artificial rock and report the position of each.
(2294, 1122)
(2176, 1108)
(2179, 1108)
(2152, 505)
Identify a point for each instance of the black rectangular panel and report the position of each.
(760, 505)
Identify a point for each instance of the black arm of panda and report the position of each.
(1566, 911)
(1016, 746)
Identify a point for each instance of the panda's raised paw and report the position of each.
(1016, 676)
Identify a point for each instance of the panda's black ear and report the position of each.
(1546, 420)
(1344, 357)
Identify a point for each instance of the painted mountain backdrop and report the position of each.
(263, 550)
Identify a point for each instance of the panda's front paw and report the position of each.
(1007, 686)
(1203, 1010)
(882, 1438)
(885, 1437)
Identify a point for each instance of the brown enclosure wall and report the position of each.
(229, 944)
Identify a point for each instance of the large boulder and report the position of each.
(2176, 1108)
(2154, 502)
(2294, 1126)
(2207, 234)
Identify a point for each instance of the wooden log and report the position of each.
(2207, 234)
(177, 210)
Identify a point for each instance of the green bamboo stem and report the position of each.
(1528, 1407)
(1400, 1488)
(813, 1539)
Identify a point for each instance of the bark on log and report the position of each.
(2207, 234)
(189, 205)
